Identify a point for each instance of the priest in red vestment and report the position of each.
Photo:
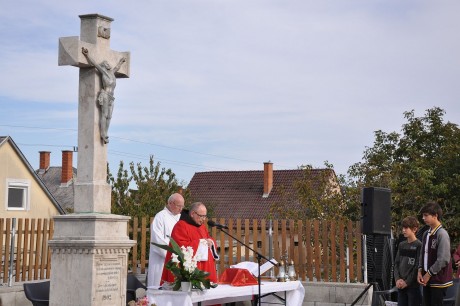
(191, 230)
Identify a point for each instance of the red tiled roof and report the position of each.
(238, 194)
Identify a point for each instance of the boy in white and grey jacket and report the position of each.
(435, 267)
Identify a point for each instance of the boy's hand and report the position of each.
(403, 284)
(420, 279)
(426, 278)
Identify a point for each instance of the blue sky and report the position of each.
(227, 85)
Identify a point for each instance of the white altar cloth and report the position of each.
(295, 293)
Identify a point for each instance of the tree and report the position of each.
(153, 185)
(418, 165)
(317, 195)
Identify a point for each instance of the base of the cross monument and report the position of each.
(90, 251)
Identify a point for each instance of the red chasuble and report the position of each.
(186, 234)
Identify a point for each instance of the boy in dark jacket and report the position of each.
(406, 265)
(435, 267)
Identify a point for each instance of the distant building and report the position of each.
(248, 194)
(22, 193)
(59, 180)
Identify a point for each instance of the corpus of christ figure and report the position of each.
(105, 98)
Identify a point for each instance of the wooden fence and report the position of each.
(320, 251)
(31, 257)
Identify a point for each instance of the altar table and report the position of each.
(292, 292)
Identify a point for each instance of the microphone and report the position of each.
(214, 224)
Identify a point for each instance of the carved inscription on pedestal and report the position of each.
(107, 287)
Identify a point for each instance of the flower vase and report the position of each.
(186, 286)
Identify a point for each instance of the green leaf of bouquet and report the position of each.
(176, 285)
(176, 249)
(196, 284)
(201, 273)
(163, 246)
(206, 283)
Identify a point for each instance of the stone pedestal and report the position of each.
(89, 256)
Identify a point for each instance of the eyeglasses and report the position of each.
(201, 216)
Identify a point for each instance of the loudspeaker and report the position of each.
(376, 205)
(380, 249)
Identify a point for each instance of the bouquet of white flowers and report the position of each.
(184, 267)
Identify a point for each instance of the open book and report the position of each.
(252, 267)
(202, 251)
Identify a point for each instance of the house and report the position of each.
(22, 192)
(249, 194)
(59, 179)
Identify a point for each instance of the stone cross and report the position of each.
(92, 193)
(89, 248)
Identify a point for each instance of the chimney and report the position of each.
(67, 169)
(268, 178)
(44, 161)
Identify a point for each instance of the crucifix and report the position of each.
(92, 54)
(91, 243)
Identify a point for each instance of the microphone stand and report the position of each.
(259, 258)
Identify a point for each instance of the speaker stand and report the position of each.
(374, 284)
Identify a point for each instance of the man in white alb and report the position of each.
(160, 229)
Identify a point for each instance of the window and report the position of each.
(17, 197)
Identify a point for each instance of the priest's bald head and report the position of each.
(175, 203)
(198, 212)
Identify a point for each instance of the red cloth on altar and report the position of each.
(186, 234)
(238, 277)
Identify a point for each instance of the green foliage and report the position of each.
(142, 191)
(418, 165)
(351, 197)
(318, 194)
